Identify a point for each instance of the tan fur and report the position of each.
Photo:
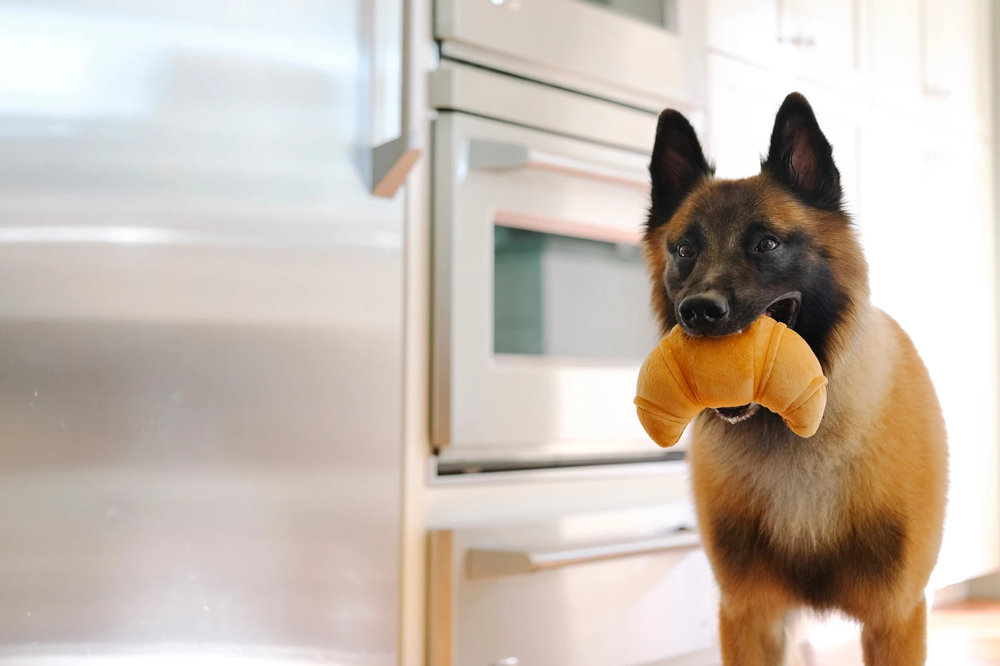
(881, 450)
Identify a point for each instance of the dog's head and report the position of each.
(723, 252)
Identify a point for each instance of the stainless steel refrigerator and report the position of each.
(200, 331)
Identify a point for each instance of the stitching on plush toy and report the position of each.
(683, 382)
(811, 390)
(653, 410)
(777, 333)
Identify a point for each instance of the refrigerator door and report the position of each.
(200, 331)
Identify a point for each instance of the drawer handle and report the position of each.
(489, 563)
(503, 155)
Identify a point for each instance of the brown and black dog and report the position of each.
(851, 518)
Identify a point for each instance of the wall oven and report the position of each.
(546, 115)
(642, 52)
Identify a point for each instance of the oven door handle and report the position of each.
(493, 563)
(503, 155)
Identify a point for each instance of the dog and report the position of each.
(850, 519)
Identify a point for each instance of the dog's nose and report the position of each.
(703, 312)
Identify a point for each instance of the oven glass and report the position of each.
(569, 297)
(658, 12)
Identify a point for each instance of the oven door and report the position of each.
(542, 314)
(627, 50)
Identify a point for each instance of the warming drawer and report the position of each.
(621, 588)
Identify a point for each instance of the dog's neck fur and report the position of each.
(799, 481)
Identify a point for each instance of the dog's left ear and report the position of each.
(677, 166)
(800, 158)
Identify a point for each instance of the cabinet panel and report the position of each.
(744, 28)
(932, 269)
(960, 239)
(743, 101)
(896, 51)
(956, 58)
(824, 38)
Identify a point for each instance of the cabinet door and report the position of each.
(958, 267)
(896, 52)
(824, 39)
(956, 71)
(743, 101)
(745, 28)
(930, 242)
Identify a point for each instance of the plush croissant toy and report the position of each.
(767, 363)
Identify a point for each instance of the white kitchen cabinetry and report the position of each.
(931, 59)
(746, 29)
(956, 58)
(823, 39)
(929, 237)
(903, 91)
(743, 101)
(960, 241)
(896, 53)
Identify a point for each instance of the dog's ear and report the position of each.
(678, 164)
(800, 158)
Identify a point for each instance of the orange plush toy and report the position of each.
(766, 363)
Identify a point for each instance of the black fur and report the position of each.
(800, 158)
(871, 552)
(677, 165)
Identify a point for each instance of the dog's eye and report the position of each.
(767, 244)
(685, 251)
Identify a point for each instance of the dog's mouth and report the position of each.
(786, 310)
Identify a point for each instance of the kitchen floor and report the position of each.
(962, 634)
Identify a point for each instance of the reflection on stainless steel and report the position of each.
(200, 332)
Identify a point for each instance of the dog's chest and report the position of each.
(800, 505)
(798, 492)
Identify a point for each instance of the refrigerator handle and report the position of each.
(392, 161)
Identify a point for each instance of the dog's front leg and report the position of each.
(752, 636)
(896, 643)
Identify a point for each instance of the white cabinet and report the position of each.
(956, 57)
(958, 343)
(929, 239)
(926, 58)
(896, 52)
(823, 38)
(819, 40)
(931, 59)
(743, 101)
(747, 29)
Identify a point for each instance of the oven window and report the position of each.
(569, 297)
(658, 12)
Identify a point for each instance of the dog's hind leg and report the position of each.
(752, 636)
(900, 643)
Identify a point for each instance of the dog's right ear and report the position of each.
(678, 165)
